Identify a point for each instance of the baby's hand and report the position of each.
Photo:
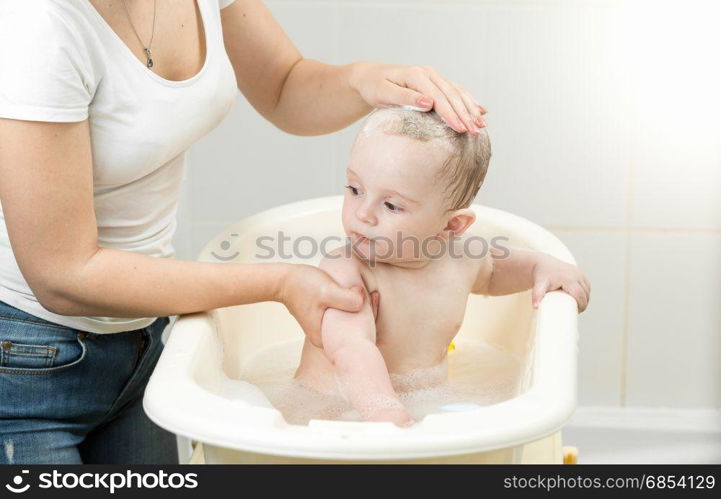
(551, 273)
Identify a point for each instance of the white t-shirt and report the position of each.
(61, 61)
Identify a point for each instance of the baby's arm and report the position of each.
(349, 344)
(512, 270)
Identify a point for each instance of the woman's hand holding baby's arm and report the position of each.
(308, 291)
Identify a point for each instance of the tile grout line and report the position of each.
(564, 228)
(626, 308)
(633, 150)
(647, 230)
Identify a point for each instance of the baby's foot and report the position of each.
(397, 416)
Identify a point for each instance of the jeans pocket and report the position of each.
(37, 348)
(26, 356)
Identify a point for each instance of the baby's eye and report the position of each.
(392, 207)
(354, 190)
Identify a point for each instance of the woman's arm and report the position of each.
(299, 96)
(46, 189)
(307, 97)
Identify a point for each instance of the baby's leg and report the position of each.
(315, 371)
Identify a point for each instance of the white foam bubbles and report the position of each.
(476, 374)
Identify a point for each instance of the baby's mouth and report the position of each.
(360, 237)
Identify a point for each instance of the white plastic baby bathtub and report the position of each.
(195, 391)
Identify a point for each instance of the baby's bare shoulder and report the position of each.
(340, 259)
(346, 268)
(470, 250)
(472, 256)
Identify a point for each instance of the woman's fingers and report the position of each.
(473, 107)
(349, 300)
(393, 95)
(463, 110)
(375, 301)
(422, 87)
(418, 78)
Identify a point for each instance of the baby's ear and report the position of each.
(459, 221)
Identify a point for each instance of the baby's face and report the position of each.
(394, 201)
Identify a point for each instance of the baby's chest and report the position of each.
(421, 308)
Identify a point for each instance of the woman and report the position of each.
(98, 103)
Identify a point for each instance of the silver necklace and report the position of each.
(148, 54)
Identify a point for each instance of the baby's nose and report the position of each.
(365, 215)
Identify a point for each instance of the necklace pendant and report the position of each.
(149, 56)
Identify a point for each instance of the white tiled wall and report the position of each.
(602, 255)
(605, 127)
(674, 319)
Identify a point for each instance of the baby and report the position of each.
(411, 180)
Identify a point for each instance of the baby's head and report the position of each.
(411, 179)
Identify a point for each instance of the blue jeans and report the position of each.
(70, 397)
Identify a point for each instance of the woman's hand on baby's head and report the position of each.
(422, 87)
(550, 274)
(308, 291)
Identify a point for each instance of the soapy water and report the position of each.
(478, 374)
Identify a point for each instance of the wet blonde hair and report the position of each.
(465, 167)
